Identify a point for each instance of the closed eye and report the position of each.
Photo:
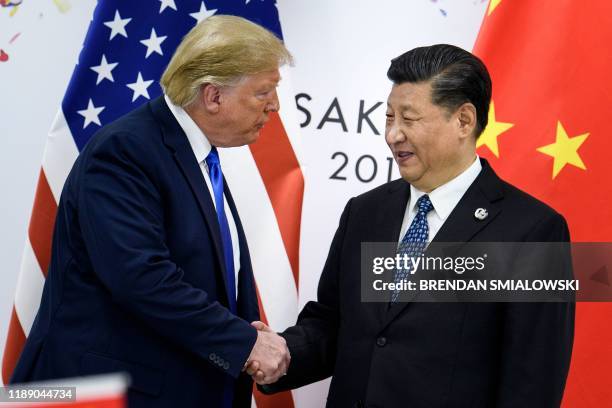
(265, 93)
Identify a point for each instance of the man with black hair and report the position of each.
(433, 354)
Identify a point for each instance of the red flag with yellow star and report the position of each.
(549, 134)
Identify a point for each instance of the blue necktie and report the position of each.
(414, 242)
(216, 179)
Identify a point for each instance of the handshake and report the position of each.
(269, 359)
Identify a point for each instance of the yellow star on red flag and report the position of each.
(492, 131)
(564, 150)
(492, 5)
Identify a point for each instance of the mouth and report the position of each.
(260, 125)
(402, 156)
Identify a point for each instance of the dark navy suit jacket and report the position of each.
(433, 355)
(136, 279)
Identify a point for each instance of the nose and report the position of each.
(393, 133)
(273, 104)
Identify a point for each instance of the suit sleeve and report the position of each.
(537, 341)
(312, 341)
(121, 216)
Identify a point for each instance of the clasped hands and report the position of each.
(269, 359)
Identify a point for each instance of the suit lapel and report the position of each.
(462, 224)
(388, 224)
(388, 221)
(176, 140)
(248, 307)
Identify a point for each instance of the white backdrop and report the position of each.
(342, 50)
(32, 85)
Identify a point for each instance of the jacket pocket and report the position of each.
(144, 379)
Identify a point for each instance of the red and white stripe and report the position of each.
(60, 153)
(99, 391)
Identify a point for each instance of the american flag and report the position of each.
(127, 47)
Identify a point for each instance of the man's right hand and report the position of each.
(270, 355)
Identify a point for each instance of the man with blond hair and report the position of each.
(150, 272)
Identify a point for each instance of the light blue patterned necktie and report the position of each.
(414, 242)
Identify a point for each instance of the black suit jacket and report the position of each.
(433, 355)
(136, 280)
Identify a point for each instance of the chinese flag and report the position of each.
(549, 134)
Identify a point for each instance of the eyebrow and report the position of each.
(275, 82)
(271, 83)
(405, 107)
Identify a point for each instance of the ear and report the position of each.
(466, 115)
(210, 96)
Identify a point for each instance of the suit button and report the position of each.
(381, 341)
(226, 365)
(212, 356)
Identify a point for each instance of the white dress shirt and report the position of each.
(201, 148)
(443, 198)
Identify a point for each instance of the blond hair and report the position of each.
(220, 51)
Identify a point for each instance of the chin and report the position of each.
(254, 136)
(407, 177)
(409, 174)
(415, 179)
(246, 139)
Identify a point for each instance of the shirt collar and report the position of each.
(197, 139)
(446, 197)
